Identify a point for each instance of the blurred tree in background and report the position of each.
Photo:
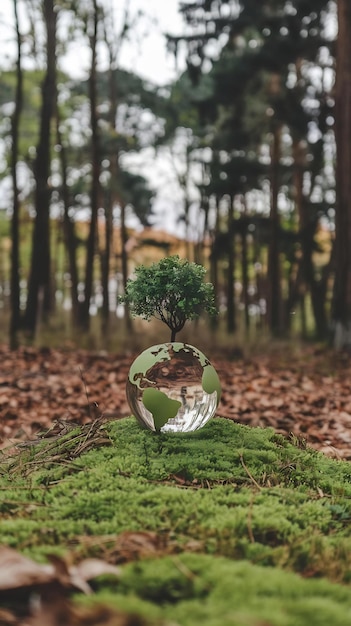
(254, 132)
(341, 314)
(270, 112)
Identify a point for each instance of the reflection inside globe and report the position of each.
(173, 387)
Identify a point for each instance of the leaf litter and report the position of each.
(307, 396)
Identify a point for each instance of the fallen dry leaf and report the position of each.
(130, 545)
(7, 618)
(22, 579)
(19, 572)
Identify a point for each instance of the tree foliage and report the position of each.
(172, 291)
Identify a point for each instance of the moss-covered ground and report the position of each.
(228, 525)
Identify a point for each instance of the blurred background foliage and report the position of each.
(253, 132)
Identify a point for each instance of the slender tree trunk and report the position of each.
(245, 267)
(214, 281)
(298, 277)
(111, 196)
(245, 278)
(200, 241)
(186, 205)
(124, 261)
(214, 264)
(39, 280)
(15, 290)
(105, 264)
(274, 304)
(231, 325)
(95, 185)
(341, 307)
(68, 227)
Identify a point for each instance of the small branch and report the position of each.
(184, 569)
(249, 473)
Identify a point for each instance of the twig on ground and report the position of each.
(249, 473)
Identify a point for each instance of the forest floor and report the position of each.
(304, 394)
(241, 523)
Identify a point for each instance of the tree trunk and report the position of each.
(124, 261)
(15, 290)
(297, 273)
(111, 196)
(274, 304)
(231, 325)
(105, 264)
(245, 267)
(68, 228)
(95, 185)
(214, 263)
(39, 279)
(341, 306)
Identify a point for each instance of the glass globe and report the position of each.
(172, 387)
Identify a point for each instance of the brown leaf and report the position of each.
(7, 618)
(92, 568)
(130, 546)
(18, 572)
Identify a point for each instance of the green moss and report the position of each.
(196, 589)
(225, 491)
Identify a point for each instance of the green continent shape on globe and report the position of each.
(210, 381)
(161, 352)
(160, 405)
(145, 361)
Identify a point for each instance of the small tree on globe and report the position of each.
(171, 290)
